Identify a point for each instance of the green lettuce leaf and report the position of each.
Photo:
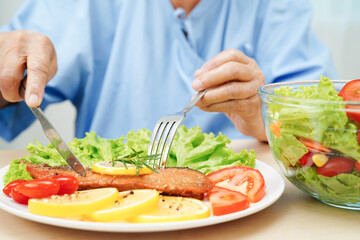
(16, 171)
(205, 152)
(288, 149)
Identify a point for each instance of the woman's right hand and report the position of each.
(20, 50)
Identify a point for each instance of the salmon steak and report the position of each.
(183, 182)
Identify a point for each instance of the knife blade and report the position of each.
(54, 137)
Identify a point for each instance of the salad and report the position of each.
(228, 177)
(314, 134)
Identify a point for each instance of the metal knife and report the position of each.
(54, 136)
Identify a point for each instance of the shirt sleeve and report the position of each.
(61, 21)
(287, 49)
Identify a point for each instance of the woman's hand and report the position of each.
(20, 50)
(232, 80)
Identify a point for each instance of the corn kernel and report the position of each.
(320, 159)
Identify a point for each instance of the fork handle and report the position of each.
(194, 100)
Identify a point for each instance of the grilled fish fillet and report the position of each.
(171, 181)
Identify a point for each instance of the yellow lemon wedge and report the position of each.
(76, 204)
(172, 209)
(106, 167)
(128, 204)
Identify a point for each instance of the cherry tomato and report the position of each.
(246, 180)
(18, 196)
(7, 189)
(306, 160)
(68, 184)
(351, 92)
(336, 166)
(357, 166)
(224, 201)
(39, 188)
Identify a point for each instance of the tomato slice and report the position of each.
(306, 160)
(357, 166)
(351, 92)
(335, 166)
(18, 196)
(39, 188)
(245, 180)
(224, 201)
(7, 189)
(68, 184)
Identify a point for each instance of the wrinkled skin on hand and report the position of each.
(20, 50)
(232, 80)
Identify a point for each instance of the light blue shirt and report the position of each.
(124, 64)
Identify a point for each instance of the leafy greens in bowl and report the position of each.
(314, 137)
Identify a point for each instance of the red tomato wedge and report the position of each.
(224, 201)
(39, 188)
(18, 196)
(245, 180)
(313, 146)
(306, 160)
(351, 92)
(7, 189)
(336, 166)
(68, 184)
(357, 166)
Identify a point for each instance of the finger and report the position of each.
(246, 108)
(11, 72)
(226, 72)
(229, 91)
(39, 64)
(223, 57)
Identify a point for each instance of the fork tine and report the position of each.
(173, 131)
(153, 143)
(164, 138)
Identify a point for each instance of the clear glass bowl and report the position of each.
(314, 142)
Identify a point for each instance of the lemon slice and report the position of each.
(129, 204)
(172, 209)
(76, 204)
(106, 167)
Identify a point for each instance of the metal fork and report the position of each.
(165, 129)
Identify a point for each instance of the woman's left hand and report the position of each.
(232, 80)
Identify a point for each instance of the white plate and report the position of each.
(274, 188)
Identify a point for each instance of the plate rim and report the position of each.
(267, 201)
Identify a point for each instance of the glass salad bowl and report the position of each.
(314, 137)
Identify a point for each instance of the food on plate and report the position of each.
(245, 180)
(224, 201)
(68, 184)
(191, 148)
(172, 181)
(39, 188)
(107, 167)
(315, 136)
(78, 203)
(18, 196)
(234, 189)
(128, 204)
(173, 209)
(22, 190)
(122, 164)
(8, 188)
